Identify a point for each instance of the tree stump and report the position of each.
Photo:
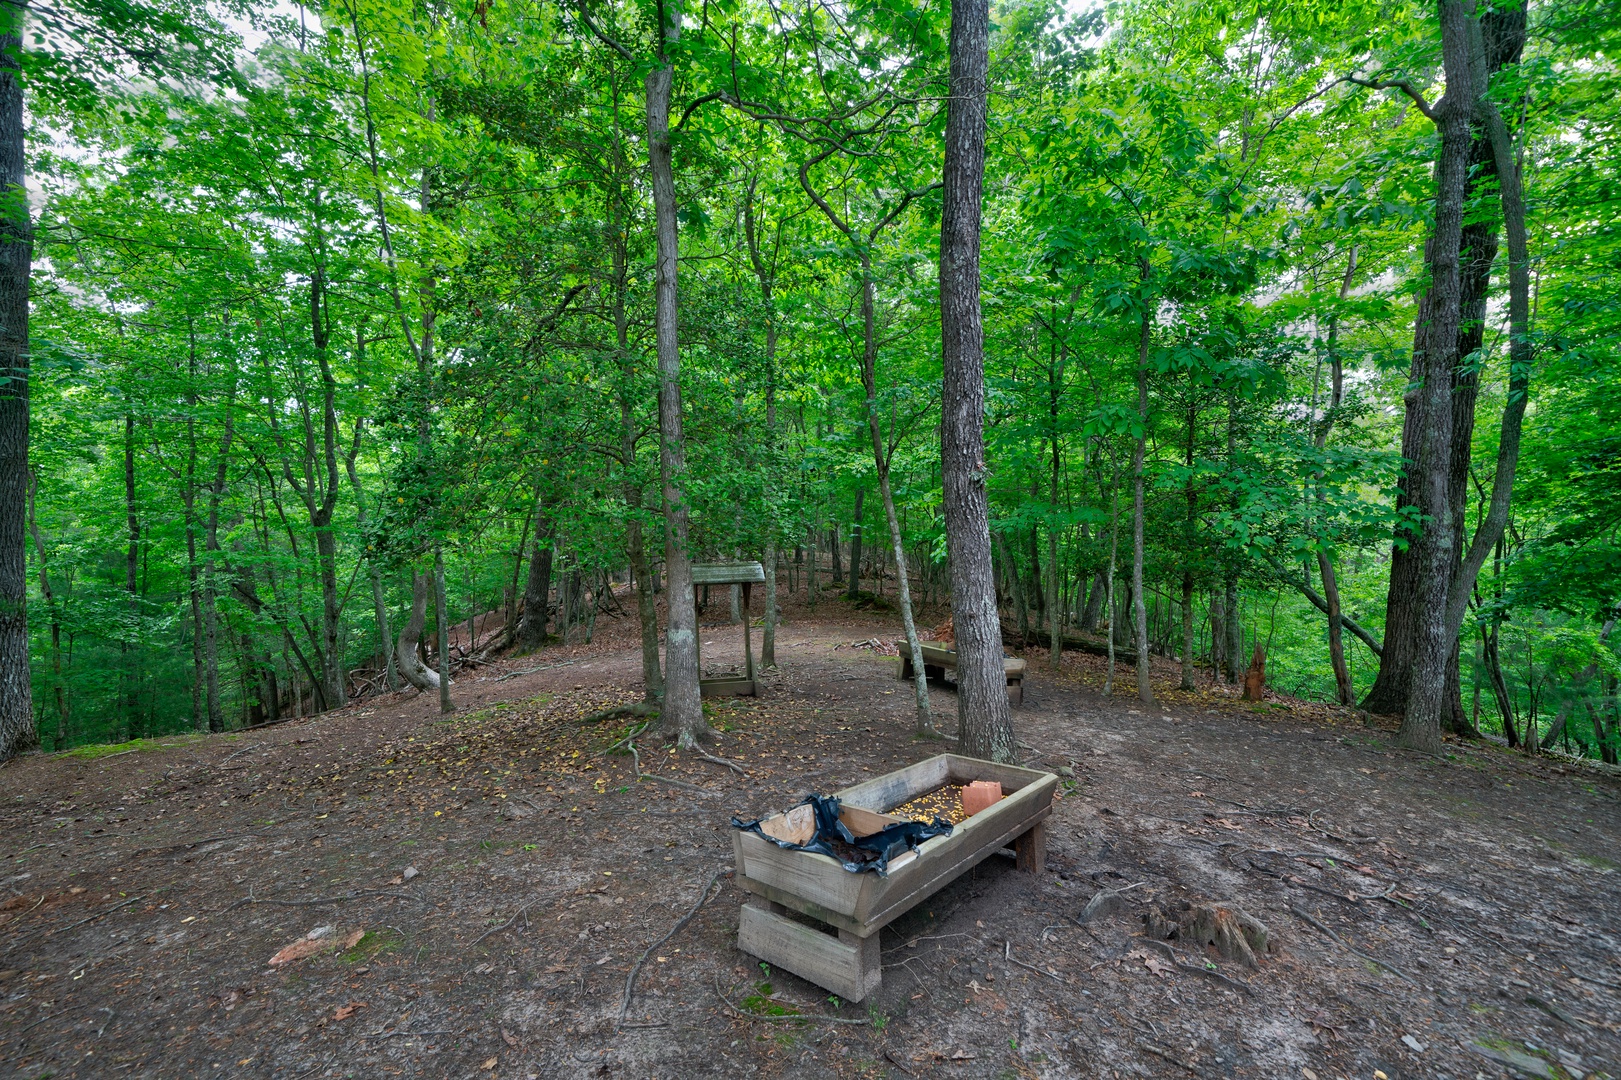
(1255, 677)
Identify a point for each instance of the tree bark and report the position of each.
(1504, 30)
(1145, 688)
(46, 593)
(17, 732)
(855, 545)
(442, 618)
(1343, 690)
(1427, 699)
(538, 586)
(869, 383)
(985, 728)
(406, 653)
(682, 717)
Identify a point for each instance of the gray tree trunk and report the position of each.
(1145, 689)
(985, 728)
(682, 717)
(442, 617)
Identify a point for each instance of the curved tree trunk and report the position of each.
(407, 657)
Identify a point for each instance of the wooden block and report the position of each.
(903, 666)
(797, 826)
(848, 965)
(980, 795)
(1030, 850)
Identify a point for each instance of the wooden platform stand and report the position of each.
(745, 574)
(834, 942)
(937, 660)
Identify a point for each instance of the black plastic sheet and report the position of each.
(857, 854)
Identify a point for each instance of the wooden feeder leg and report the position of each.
(748, 649)
(849, 966)
(1031, 849)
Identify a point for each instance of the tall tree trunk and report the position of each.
(1427, 699)
(1504, 29)
(1145, 688)
(537, 591)
(17, 732)
(869, 383)
(406, 652)
(855, 545)
(985, 728)
(1344, 692)
(132, 556)
(682, 716)
(442, 617)
(631, 485)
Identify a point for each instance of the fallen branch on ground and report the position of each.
(531, 671)
(630, 981)
(1302, 914)
(1007, 954)
(515, 916)
(1212, 973)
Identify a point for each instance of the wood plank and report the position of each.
(960, 770)
(864, 822)
(884, 793)
(727, 687)
(731, 573)
(814, 879)
(851, 968)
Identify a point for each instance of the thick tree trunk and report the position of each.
(1504, 30)
(1427, 698)
(985, 728)
(1145, 689)
(537, 591)
(17, 732)
(406, 652)
(682, 717)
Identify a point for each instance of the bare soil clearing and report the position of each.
(482, 887)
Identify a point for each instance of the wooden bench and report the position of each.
(840, 950)
(937, 660)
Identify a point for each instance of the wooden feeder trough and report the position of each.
(731, 684)
(937, 660)
(841, 953)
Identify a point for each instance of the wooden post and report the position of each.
(748, 649)
(1030, 850)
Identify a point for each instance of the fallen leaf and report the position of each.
(557, 969)
(353, 938)
(346, 1011)
(299, 950)
(1157, 966)
(489, 1064)
(963, 1055)
(508, 1037)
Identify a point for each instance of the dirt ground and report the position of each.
(481, 886)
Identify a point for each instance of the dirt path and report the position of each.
(481, 888)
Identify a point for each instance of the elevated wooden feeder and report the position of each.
(746, 574)
(839, 951)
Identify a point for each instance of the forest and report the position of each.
(1214, 331)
